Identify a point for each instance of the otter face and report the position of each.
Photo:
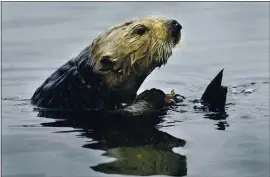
(128, 53)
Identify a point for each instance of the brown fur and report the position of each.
(130, 57)
(110, 70)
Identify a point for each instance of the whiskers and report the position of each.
(161, 53)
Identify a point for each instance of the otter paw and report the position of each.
(179, 98)
(172, 98)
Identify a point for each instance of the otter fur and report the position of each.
(110, 71)
(146, 103)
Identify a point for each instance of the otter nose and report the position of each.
(175, 25)
(175, 30)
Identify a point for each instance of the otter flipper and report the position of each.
(215, 94)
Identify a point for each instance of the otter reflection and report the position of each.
(140, 149)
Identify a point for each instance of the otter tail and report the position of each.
(214, 97)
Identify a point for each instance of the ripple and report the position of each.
(15, 99)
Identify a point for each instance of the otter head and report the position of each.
(126, 54)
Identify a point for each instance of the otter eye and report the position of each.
(140, 30)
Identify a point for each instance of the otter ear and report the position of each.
(107, 63)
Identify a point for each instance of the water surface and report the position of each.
(37, 38)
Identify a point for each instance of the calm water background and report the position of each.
(39, 37)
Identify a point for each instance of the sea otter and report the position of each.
(110, 71)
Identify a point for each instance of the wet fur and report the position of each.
(109, 71)
(126, 58)
(74, 85)
(145, 103)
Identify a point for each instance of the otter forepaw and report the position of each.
(172, 98)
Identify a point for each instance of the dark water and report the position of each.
(39, 37)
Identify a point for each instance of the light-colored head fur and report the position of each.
(129, 52)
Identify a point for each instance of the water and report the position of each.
(39, 37)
